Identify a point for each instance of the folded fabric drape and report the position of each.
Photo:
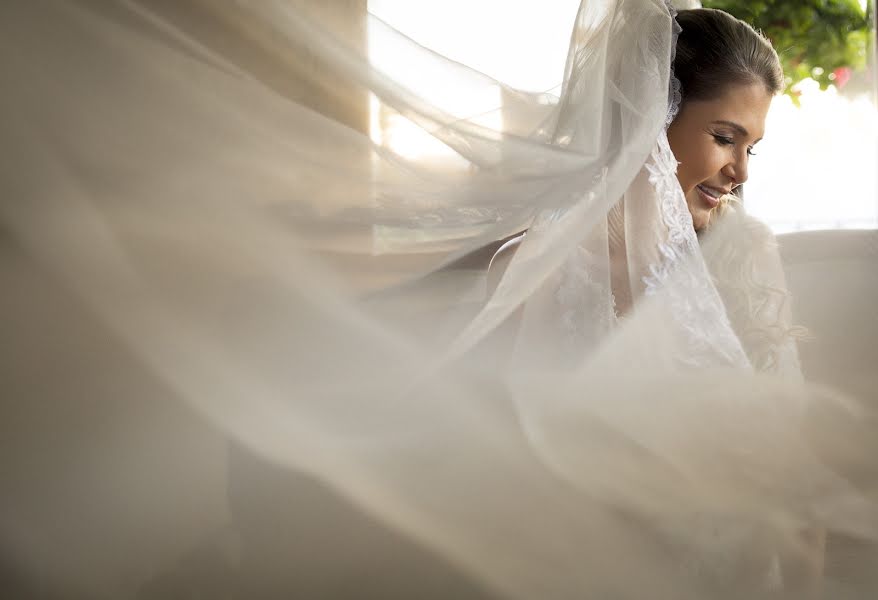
(202, 245)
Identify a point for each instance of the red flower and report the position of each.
(842, 76)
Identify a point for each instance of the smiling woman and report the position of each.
(713, 141)
(728, 76)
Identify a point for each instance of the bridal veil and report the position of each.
(202, 245)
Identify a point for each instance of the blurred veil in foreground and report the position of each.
(248, 351)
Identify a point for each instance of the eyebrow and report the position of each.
(739, 128)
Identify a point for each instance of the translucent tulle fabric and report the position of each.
(250, 351)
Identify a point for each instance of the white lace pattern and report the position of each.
(695, 301)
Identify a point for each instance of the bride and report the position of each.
(208, 249)
(726, 75)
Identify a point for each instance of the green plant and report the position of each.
(826, 40)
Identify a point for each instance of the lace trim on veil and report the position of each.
(695, 301)
(675, 92)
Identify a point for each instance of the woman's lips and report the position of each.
(709, 196)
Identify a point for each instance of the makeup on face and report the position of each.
(713, 142)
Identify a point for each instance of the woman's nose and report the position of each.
(736, 169)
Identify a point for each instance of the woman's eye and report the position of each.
(723, 140)
(750, 152)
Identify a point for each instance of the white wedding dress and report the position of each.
(204, 249)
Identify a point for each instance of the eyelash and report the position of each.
(727, 141)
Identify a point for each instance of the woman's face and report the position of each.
(713, 140)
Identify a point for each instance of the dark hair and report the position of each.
(716, 50)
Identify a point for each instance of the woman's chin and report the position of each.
(700, 213)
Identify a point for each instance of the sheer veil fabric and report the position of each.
(202, 245)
